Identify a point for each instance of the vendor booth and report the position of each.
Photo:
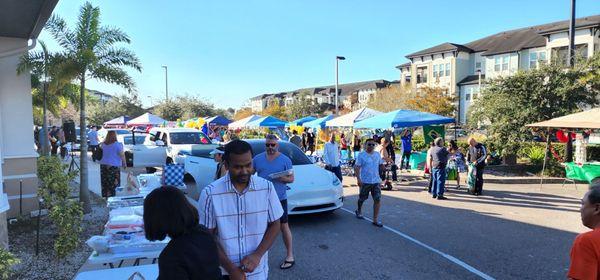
(300, 121)
(581, 169)
(117, 122)
(349, 119)
(268, 122)
(239, 124)
(146, 119)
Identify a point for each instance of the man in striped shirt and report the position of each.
(243, 211)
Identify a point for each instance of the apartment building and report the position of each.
(463, 68)
(350, 95)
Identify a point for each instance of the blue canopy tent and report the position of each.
(301, 121)
(318, 123)
(218, 121)
(268, 121)
(402, 118)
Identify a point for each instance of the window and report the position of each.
(468, 94)
(477, 65)
(535, 58)
(505, 59)
(447, 69)
(435, 71)
(290, 150)
(188, 138)
(421, 75)
(497, 64)
(561, 54)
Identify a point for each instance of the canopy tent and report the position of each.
(301, 121)
(218, 121)
(147, 119)
(318, 123)
(589, 119)
(349, 119)
(268, 121)
(242, 123)
(122, 120)
(402, 118)
(586, 119)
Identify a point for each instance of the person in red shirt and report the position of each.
(585, 253)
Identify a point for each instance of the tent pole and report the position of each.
(545, 158)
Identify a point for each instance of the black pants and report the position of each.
(93, 148)
(54, 148)
(405, 160)
(479, 179)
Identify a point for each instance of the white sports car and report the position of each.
(314, 189)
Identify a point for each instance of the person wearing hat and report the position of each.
(217, 153)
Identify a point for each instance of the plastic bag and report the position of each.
(99, 243)
(471, 177)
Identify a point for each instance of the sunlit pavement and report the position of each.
(511, 232)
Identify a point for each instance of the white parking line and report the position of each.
(447, 256)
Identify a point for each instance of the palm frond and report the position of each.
(87, 27)
(120, 57)
(115, 75)
(109, 36)
(61, 33)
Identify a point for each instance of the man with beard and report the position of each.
(243, 211)
(273, 165)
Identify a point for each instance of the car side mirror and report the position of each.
(159, 143)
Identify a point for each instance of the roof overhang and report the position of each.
(560, 30)
(24, 19)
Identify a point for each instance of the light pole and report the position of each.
(166, 83)
(571, 63)
(337, 59)
(150, 98)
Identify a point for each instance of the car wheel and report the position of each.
(169, 160)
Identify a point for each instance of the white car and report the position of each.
(314, 189)
(103, 131)
(175, 140)
(145, 156)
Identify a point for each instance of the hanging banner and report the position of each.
(430, 132)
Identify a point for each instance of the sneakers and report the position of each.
(358, 215)
(442, 198)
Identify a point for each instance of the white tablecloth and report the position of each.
(150, 272)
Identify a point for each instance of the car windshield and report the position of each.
(203, 150)
(122, 131)
(290, 150)
(139, 139)
(188, 138)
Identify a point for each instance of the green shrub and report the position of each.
(7, 261)
(65, 214)
(536, 154)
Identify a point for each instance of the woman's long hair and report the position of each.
(111, 137)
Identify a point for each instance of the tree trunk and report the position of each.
(84, 192)
(44, 139)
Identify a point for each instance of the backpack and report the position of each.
(97, 154)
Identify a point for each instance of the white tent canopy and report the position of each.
(349, 119)
(147, 119)
(586, 119)
(242, 123)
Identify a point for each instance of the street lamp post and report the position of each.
(571, 63)
(337, 59)
(166, 83)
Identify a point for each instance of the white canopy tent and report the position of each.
(586, 119)
(146, 119)
(349, 119)
(239, 124)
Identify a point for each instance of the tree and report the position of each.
(303, 106)
(391, 98)
(51, 85)
(120, 105)
(432, 100)
(186, 107)
(507, 104)
(92, 49)
(275, 110)
(242, 113)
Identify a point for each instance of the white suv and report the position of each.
(175, 140)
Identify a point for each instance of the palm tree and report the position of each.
(51, 77)
(91, 48)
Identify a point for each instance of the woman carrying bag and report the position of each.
(112, 159)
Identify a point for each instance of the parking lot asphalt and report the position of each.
(511, 232)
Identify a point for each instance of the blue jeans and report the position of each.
(439, 181)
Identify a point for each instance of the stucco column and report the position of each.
(3, 231)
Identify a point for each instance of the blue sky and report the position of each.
(229, 51)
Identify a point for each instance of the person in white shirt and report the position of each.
(243, 211)
(331, 157)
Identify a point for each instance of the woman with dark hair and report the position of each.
(192, 252)
(113, 157)
(456, 163)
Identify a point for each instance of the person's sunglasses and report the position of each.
(371, 145)
(270, 145)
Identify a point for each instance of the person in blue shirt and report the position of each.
(94, 141)
(269, 162)
(367, 169)
(406, 138)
